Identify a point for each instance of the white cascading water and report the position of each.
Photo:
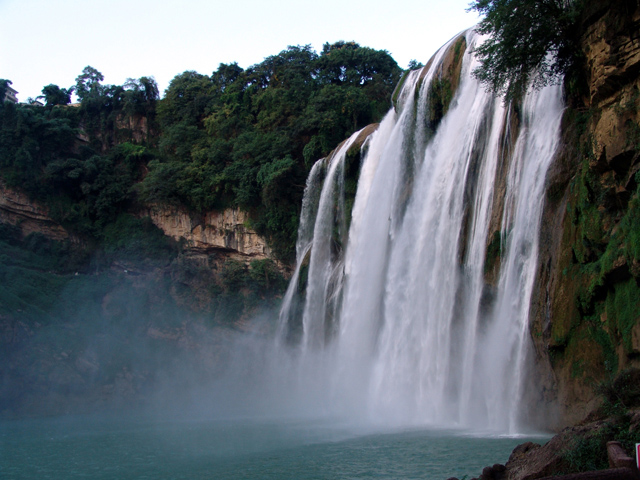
(401, 327)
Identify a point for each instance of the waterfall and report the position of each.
(400, 313)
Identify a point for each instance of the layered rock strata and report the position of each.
(32, 217)
(210, 231)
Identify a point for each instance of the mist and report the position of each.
(125, 339)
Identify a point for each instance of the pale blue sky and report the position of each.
(51, 41)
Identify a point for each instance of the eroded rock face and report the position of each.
(17, 209)
(612, 47)
(210, 231)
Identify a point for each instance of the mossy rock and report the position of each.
(445, 83)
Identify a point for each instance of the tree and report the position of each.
(145, 88)
(293, 67)
(226, 75)
(88, 82)
(347, 63)
(54, 95)
(185, 100)
(531, 42)
(140, 96)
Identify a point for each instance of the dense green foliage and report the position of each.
(244, 138)
(75, 323)
(54, 95)
(78, 160)
(37, 273)
(532, 41)
(243, 288)
(26, 285)
(247, 138)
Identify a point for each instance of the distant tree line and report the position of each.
(76, 159)
(238, 137)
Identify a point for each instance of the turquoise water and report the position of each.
(143, 448)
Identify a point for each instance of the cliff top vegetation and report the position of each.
(235, 138)
(531, 41)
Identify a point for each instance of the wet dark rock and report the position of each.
(496, 472)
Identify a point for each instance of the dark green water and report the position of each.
(142, 448)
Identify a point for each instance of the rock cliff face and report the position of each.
(586, 310)
(226, 231)
(612, 47)
(17, 209)
(135, 127)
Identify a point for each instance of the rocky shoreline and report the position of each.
(576, 453)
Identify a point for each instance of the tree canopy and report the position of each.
(54, 95)
(247, 138)
(531, 42)
(235, 138)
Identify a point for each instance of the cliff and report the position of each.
(224, 232)
(586, 310)
(31, 217)
(210, 231)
